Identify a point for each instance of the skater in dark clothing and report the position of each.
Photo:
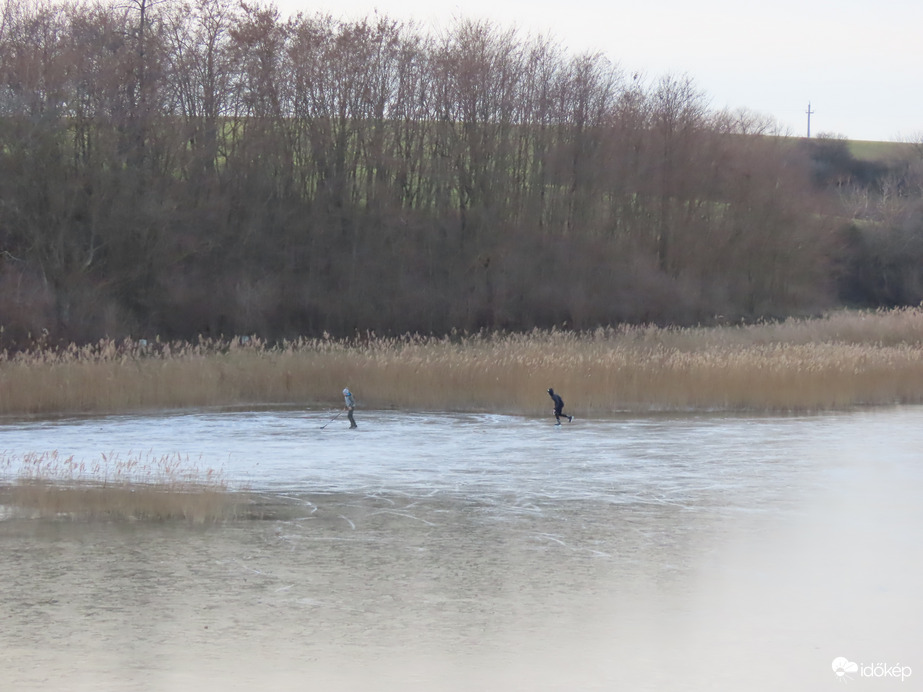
(558, 407)
(350, 405)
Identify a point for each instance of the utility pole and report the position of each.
(810, 113)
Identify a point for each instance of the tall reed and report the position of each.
(140, 487)
(842, 359)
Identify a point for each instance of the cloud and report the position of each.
(841, 666)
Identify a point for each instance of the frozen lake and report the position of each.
(436, 551)
(677, 459)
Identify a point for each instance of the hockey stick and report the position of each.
(330, 421)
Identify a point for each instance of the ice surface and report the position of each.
(437, 551)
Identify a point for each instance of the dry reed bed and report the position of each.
(840, 360)
(142, 487)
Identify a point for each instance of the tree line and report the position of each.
(211, 168)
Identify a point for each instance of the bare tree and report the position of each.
(200, 74)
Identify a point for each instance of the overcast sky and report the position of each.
(859, 63)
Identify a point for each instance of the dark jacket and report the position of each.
(558, 401)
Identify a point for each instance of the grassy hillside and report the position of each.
(868, 150)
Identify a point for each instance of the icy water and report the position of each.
(433, 551)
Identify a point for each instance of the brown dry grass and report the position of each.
(142, 487)
(840, 360)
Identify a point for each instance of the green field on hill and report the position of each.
(867, 150)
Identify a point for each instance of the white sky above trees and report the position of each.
(860, 64)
